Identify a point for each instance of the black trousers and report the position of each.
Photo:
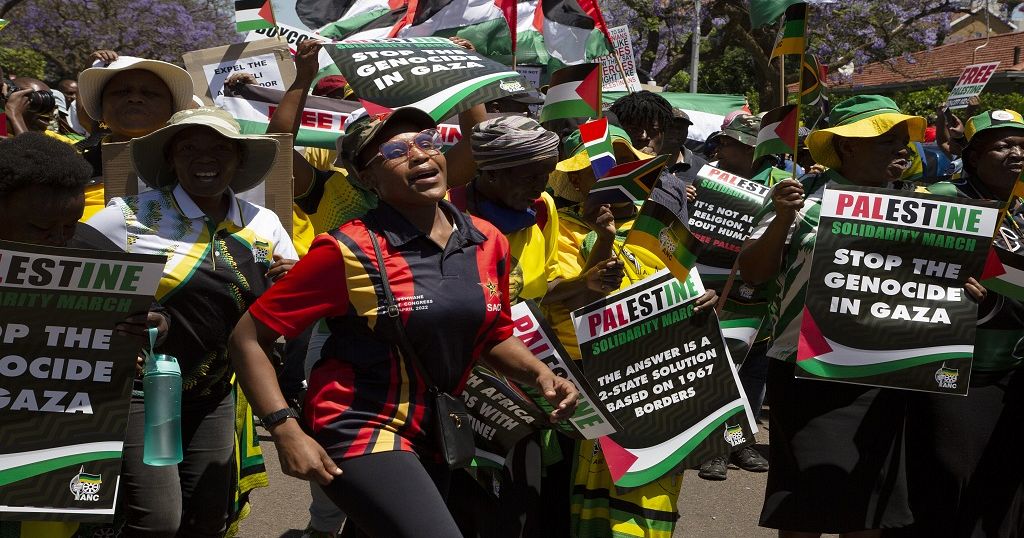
(189, 499)
(393, 495)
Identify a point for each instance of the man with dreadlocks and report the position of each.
(655, 128)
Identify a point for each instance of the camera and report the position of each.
(39, 102)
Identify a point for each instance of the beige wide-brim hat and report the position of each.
(149, 157)
(92, 80)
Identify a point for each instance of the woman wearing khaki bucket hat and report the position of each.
(222, 253)
(837, 456)
(130, 97)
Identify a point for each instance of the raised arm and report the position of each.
(288, 115)
(761, 259)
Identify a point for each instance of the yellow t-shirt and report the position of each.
(331, 200)
(94, 201)
(574, 246)
(534, 253)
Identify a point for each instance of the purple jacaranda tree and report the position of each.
(840, 33)
(66, 32)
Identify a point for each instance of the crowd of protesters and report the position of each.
(501, 217)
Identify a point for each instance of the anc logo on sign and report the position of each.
(85, 486)
(947, 377)
(734, 435)
(260, 251)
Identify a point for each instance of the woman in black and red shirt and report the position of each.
(366, 407)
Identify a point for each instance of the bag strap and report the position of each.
(394, 314)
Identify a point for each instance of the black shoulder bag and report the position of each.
(452, 432)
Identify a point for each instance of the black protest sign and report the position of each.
(500, 414)
(886, 304)
(429, 73)
(723, 215)
(65, 377)
(662, 371)
(590, 421)
(722, 219)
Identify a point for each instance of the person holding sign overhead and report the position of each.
(130, 97)
(222, 253)
(424, 264)
(838, 450)
(958, 448)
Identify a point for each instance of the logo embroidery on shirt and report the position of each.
(260, 251)
(492, 288)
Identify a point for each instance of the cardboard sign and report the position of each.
(970, 84)
(612, 75)
(894, 263)
(663, 371)
(269, 60)
(275, 193)
(66, 377)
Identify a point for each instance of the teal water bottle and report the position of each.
(161, 385)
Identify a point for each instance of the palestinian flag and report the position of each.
(813, 78)
(597, 140)
(764, 12)
(1004, 272)
(658, 230)
(628, 182)
(253, 15)
(778, 132)
(575, 92)
(367, 19)
(510, 10)
(791, 41)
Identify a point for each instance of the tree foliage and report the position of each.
(840, 33)
(22, 62)
(65, 32)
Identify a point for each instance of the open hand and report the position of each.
(560, 393)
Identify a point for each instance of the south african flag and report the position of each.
(628, 182)
(658, 230)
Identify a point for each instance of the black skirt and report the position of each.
(964, 460)
(837, 456)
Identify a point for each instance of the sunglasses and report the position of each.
(428, 140)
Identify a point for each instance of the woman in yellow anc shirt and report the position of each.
(593, 237)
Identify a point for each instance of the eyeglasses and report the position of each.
(428, 140)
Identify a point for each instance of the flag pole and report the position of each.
(622, 69)
(800, 90)
(782, 80)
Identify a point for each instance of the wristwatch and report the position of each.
(279, 416)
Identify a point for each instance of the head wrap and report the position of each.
(511, 141)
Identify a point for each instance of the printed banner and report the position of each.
(610, 72)
(894, 264)
(323, 119)
(66, 376)
(722, 219)
(664, 373)
(589, 421)
(970, 84)
(429, 73)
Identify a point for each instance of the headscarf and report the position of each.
(510, 141)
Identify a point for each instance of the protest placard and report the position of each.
(293, 36)
(663, 372)
(268, 60)
(274, 193)
(66, 376)
(894, 263)
(500, 414)
(722, 219)
(611, 73)
(429, 73)
(321, 122)
(970, 84)
(1004, 269)
(590, 421)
